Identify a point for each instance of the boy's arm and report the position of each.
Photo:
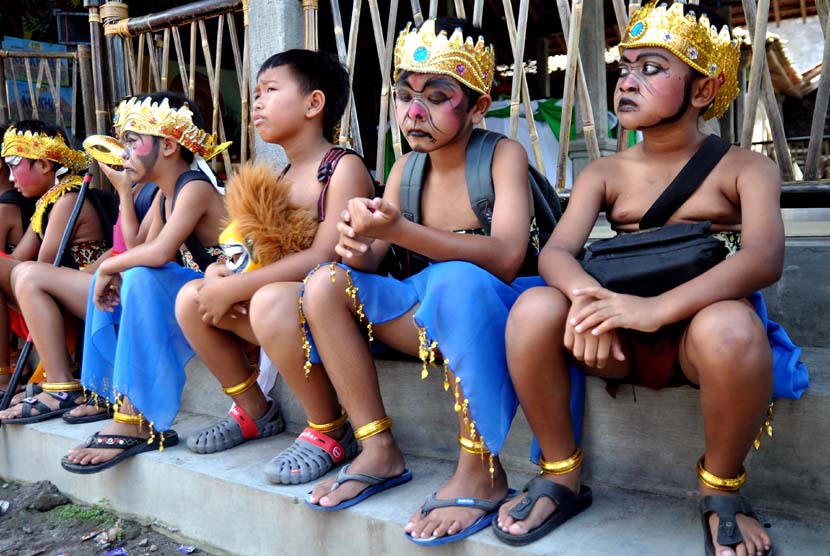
(350, 179)
(500, 253)
(9, 215)
(126, 204)
(164, 240)
(27, 248)
(58, 220)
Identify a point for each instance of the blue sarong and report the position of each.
(464, 309)
(138, 350)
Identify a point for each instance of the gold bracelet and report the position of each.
(128, 419)
(718, 483)
(70, 386)
(242, 387)
(563, 466)
(371, 429)
(333, 426)
(471, 446)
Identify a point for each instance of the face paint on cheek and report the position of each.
(144, 146)
(417, 111)
(25, 175)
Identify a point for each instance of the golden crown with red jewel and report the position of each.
(36, 145)
(695, 41)
(422, 51)
(159, 119)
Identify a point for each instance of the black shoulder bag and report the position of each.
(658, 257)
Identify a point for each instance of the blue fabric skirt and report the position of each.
(463, 309)
(139, 350)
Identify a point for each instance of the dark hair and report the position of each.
(449, 25)
(37, 126)
(701, 9)
(177, 100)
(313, 71)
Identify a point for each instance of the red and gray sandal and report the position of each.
(235, 429)
(312, 455)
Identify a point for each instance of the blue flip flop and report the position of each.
(376, 485)
(489, 507)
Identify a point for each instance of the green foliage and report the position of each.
(76, 513)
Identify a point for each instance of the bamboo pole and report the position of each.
(32, 97)
(154, 65)
(417, 15)
(73, 120)
(247, 141)
(191, 81)
(4, 98)
(756, 67)
(459, 9)
(347, 58)
(180, 15)
(213, 81)
(518, 68)
(165, 59)
(819, 111)
(478, 12)
(583, 96)
(777, 12)
(385, 57)
(568, 94)
(85, 66)
(433, 9)
(177, 43)
(779, 136)
(622, 24)
(310, 8)
(139, 88)
(101, 112)
(531, 122)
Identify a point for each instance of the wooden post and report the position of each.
(417, 15)
(310, 8)
(756, 67)
(348, 59)
(88, 101)
(518, 69)
(819, 111)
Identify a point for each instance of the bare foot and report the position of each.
(543, 508)
(53, 403)
(756, 540)
(470, 480)
(380, 457)
(94, 456)
(87, 410)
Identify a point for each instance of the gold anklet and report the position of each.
(6, 370)
(563, 466)
(472, 447)
(333, 426)
(371, 429)
(242, 387)
(70, 386)
(128, 419)
(719, 483)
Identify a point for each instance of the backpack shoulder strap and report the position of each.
(686, 182)
(412, 179)
(479, 173)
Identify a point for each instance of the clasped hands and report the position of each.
(363, 221)
(594, 317)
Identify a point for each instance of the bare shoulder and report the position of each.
(509, 152)
(351, 173)
(744, 162)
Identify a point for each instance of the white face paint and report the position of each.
(238, 250)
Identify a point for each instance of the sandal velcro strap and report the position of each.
(324, 442)
(245, 422)
(727, 507)
(536, 489)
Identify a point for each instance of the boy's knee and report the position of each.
(543, 309)
(271, 309)
(323, 287)
(728, 334)
(24, 277)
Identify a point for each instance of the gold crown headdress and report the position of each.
(422, 51)
(35, 145)
(159, 119)
(694, 41)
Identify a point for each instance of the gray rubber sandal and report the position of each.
(235, 429)
(311, 456)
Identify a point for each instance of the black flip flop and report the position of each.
(131, 445)
(568, 504)
(728, 533)
(77, 420)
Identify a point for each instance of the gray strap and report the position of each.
(412, 178)
(537, 488)
(344, 476)
(727, 507)
(433, 503)
(479, 173)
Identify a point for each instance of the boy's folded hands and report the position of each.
(593, 350)
(607, 310)
(363, 221)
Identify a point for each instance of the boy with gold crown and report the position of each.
(451, 312)
(710, 331)
(141, 371)
(45, 168)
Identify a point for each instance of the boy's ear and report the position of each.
(480, 108)
(168, 146)
(704, 91)
(316, 103)
(44, 166)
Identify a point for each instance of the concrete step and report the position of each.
(222, 503)
(643, 439)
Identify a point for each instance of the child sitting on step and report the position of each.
(451, 311)
(164, 143)
(45, 168)
(299, 97)
(710, 331)
(15, 209)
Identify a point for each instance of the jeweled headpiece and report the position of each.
(695, 41)
(146, 117)
(35, 145)
(422, 51)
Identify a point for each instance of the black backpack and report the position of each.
(480, 152)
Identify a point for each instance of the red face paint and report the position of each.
(430, 109)
(29, 180)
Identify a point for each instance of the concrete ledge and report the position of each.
(221, 502)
